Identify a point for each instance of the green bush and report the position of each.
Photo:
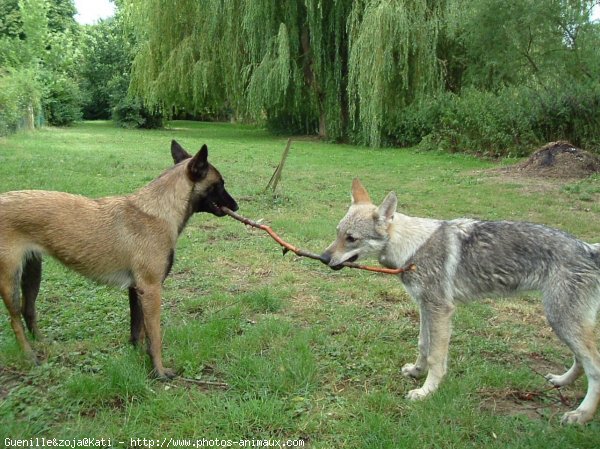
(486, 123)
(19, 93)
(62, 101)
(570, 112)
(418, 121)
(511, 122)
(131, 113)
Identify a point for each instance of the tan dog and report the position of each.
(127, 241)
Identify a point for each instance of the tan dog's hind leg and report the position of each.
(30, 286)
(137, 318)
(10, 278)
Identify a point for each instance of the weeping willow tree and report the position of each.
(393, 61)
(338, 68)
(284, 61)
(182, 55)
(326, 64)
(276, 83)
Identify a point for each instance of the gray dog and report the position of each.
(464, 259)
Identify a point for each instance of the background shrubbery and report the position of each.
(570, 112)
(510, 122)
(62, 101)
(56, 72)
(19, 97)
(131, 113)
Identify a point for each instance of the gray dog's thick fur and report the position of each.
(464, 259)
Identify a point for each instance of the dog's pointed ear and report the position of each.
(387, 209)
(359, 193)
(178, 153)
(198, 166)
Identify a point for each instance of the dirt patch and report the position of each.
(540, 404)
(557, 160)
(9, 380)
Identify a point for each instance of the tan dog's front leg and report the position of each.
(150, 299)
(137, 318)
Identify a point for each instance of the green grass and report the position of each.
(307, 353)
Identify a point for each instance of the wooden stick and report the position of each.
(277, 173)
(300, 252)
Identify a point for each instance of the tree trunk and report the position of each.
(322, 124)
(311, 81)
(30, 118)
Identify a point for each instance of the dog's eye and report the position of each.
(350, 239)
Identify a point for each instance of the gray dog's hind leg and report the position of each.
(574, 325)
(567, 378)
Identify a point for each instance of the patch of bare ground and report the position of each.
(556, 160)
(549, 168)
(9, 379)
(526, 185)
(543, 403)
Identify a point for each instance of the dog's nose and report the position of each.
(325, 258)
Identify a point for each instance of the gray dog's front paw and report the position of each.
(412, 370)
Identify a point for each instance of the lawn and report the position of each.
(308, 354)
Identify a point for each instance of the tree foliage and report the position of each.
(341, 68)
(530, 40)
(38, 43)
(215, 56)
(393, 60)
(361, 70)
(107, 55)
(107, 52)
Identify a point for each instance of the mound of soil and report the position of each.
(558, 160)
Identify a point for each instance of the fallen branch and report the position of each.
(300, 252)
(563, 400)
(204, 383)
